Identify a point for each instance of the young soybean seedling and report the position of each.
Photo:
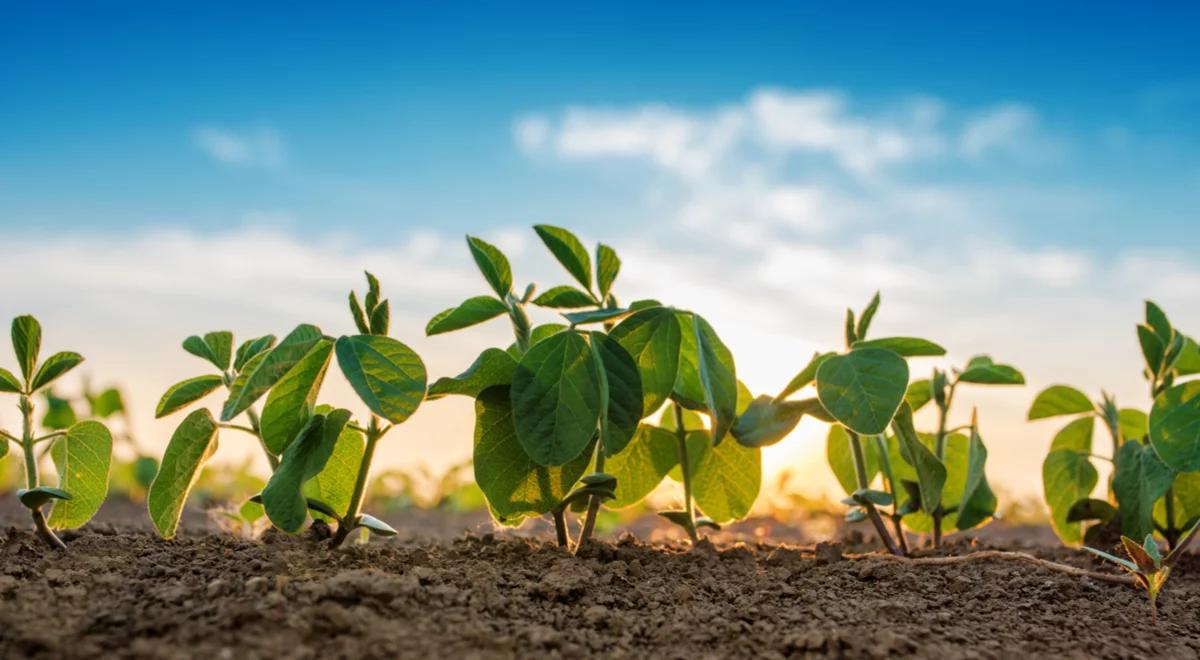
(1156, 458)
(325, 458)
(81, 452)
(1147, 565)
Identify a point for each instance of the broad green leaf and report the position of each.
(556, 399)
(251, 348)
(492, 367)
(196, 345)
(189, 448)
(1139, 479)
(642, 465)
(903, 346)
(9, 382)
(608, 264)
(931, 472)
(1188, 362)
(27, 343)
(290, 402)
(841, 459)
(220, 344)
(622, 412)
(726, 481)
(55, 366)
(1175, 426)
(919, 393)
(977, 510)
(493, 264)
(1156, 319)
(1152, 347)
(82, 458)
(283, 497)
(260, 375)
(1059, 400)
(515, 486)
(1186, 490)
(596, 316)
(1135, 424)
(185, 392)
(569, 251)
(863, 388)
(334, 484)
(1068, 476)
(387, 375)
(536, 335)
(471, 312)
(1091, 509)
(60, 414)
(981, 369)
(36, 498)
(107, 403)
(807, 375)
(718, 379)
(564, 297)
(767, 421)
(652, 337)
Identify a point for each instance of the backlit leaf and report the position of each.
(931, 472)
(1139, 479)
(387, 375)
(55, 366)
(608, 264)
(1059, 400)
(283, 497)
(718, 379)
(82, 458)
(903, 346)
(334, 484)
(1069, 476)
(189, 448)
(492, 367)
(260, 375)
(841, 459)
(564, 297)
(623, 410)
(185, 392)
(863, 388)
(569, 251)
(290, 402)
(556, 399)
(471, 312)
(726, 481)
(642, 465)
(982, 370)
(493, 264)
(806, 376)
(27, 343)
(652, 337)
(1175, 426)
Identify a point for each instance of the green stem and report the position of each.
(31, 474)
(256, 429)
(889, 484)
(589, 521)
(350, 520)
(860, 474)
(686, 469)
(940, 447)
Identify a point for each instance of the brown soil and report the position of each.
(121, 592)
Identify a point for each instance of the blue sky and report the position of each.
(1016, 179)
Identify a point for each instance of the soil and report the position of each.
(120, 592)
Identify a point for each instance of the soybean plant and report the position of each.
(1147, 565)
(81, 452)
(1155, 480)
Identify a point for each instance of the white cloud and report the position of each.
(1006, 128)
(260, 147)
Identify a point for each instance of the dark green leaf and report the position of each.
(1175, 426)
(569, 252)
(36, 498)
(919, 393)
(493, 264)
(596, 316)
(290, 402)
(470, 312)
(251, 348)
(622, 409)
(1152, 347)
(863, 388)
(82, 458)
(652, 337)
(767, 421)
(185, 392)
(1156, 319)
(27, 343)
(190, 447)
(492, 367)
(807, 375)
(387, 375)
(718, 379)
(608, 264)
(1091, 509)
(381, 318)
(564, 297)
(372, 297)
(260, 375)
(359, 315)
(1059, 400)
(556, 399)
(931, 472)
(304, 459)
(1139, 479)
(864, 321)
(107, 403)
(9, 382)
(903, 346)
(982, 370)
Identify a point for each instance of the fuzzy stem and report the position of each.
(589, 521)
(31, 474)
(350, 520)
(686, 469)
(860, 473)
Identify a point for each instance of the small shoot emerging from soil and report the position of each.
(1147, 565)
(81, 451)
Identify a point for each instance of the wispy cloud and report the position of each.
(258, 147)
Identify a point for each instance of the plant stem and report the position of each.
(940, 450)
(686, 469)
(560, 528)
(1170, 533)
(31, 474)
(860, 474)
(256, 428)
(889, 484)
(589, 521)
(350, 520)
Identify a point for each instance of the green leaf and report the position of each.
(608, 264)
(569, 252)
(1152, 347)
(305, 457)
(290, 402)
(359, 315)
(260, 375)
(381, 318)
(1134, 424)
(220, 344)
(718, 379)
(59, 413)
(726, 481)
(27, 343)
(981, 369)
(978, 509)
(36, 498)
(55, 366)
(107, 403)
(620, 416)
(9, 382)
(514, 485)
(807, 375)
(387, 375)
(596, 316)
(1175, 426)
(652, 337)
(863, 388)
(556, 399)
(471, 312)
(334, 484)
(931, 472)
(82, 458)
(1091, 509)
(767, 421)
(1188, 362)
(919, 393)
(1139, 479)
(903, 346)
(185, 392)
(841, 459)
(642, 465)
(1156, 319)
(1059, 400)
(975, 479)
(564, 297)
(251, 348)
(1069, 476)
(196, 345)
(493, 264)
(536, 335)
(492, 367)
(189, 448)
(864, 321)
(372, 297)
